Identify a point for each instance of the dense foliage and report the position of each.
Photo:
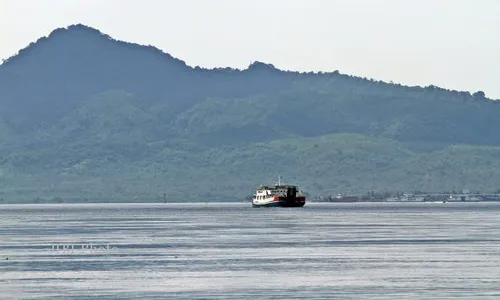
(84, 117)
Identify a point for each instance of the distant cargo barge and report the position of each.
(340, 199)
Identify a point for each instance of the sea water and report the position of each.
(234, 251)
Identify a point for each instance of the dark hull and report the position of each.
(281, 204)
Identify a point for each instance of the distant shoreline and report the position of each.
(230, 202)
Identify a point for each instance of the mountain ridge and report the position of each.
(254, 65)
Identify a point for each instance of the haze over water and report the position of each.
(232, 251)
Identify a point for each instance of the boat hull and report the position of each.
(299, 202)
(278, 204)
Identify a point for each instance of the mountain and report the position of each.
(84, 117)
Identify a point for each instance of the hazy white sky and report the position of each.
(454, 44)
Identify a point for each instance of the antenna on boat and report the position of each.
(279, 180)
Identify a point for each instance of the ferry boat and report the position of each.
(279, 195)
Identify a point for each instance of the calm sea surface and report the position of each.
(233, 251)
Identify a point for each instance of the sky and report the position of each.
(454, 44)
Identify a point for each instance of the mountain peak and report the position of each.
(261, 66)
(77, 29)
(59, 36)
(79, 42)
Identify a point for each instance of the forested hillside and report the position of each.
(84, 117)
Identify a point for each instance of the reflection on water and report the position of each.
(233, 251)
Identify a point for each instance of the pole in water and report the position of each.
(164, 197)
